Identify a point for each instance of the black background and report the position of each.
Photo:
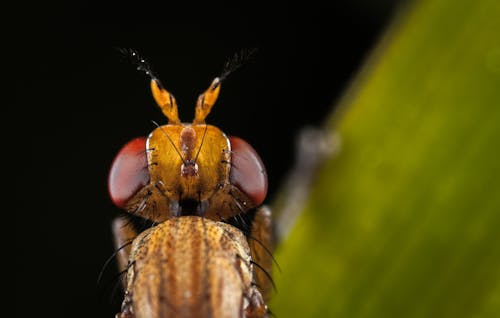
(77, 102)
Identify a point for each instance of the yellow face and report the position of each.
(188, 163)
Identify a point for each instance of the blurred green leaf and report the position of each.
(405, 220)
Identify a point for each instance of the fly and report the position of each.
(192, 182)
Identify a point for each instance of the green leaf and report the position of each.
(405, 220)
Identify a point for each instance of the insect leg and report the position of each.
(261, 246)
(123, 233)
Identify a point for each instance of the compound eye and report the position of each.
(247, 170)
(129, 172)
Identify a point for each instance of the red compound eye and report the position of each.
(129, 172)
(247, 170)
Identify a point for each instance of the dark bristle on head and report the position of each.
(236, 61)
(140, 62)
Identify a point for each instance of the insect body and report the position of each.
(190, 180)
